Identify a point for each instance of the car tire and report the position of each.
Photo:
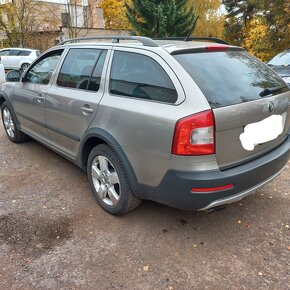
(24, 66)
(10, 126)
(109, 182)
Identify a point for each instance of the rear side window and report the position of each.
(82, 69)
(24, 53)
(139, 76)
(229, 77)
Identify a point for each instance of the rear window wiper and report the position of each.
(269, 91)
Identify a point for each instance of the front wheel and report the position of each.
(15, 135)
(109, 182)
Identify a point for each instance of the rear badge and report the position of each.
(270, 107)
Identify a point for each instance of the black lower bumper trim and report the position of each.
(175, 188)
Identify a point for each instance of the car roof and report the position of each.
(168, 45)
(18, 48)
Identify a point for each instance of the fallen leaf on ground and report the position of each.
(247, 225)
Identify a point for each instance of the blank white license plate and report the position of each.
(261, 132)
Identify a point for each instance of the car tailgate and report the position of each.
(231, 122)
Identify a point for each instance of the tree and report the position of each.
(76, 18)
(244, 10)
(211, 20)
(18, 18)
(115, 14)
(161, 18)
(262, 26)
(256, 38)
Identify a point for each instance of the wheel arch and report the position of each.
(96, 136)
(2, 100)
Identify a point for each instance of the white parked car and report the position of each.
(18, 58)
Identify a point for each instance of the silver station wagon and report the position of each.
(191, 124)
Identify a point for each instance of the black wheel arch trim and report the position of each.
(6, 99)
(111, 141)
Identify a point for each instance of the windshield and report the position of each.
(282, 58)
(230, 77)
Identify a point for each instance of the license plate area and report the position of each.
(261, 132)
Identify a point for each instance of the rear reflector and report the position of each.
(212, 189)
(195, 135)
(217, 47)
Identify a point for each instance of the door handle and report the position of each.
(87, 110)
(40, 99)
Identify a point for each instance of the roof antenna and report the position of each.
(187, 38)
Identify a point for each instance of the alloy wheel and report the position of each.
(106, 180)
(8, 123)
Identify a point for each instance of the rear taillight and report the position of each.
(195, 135)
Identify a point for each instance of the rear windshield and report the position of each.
(230, 77)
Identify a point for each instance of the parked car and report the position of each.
(281, 65)
(194, 125)
(18, 58)
(2, 74)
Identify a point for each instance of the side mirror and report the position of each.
(13, 76)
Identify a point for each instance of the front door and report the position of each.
(29, 95)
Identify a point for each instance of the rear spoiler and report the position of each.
(207, 48)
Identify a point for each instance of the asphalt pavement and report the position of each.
(53, 235)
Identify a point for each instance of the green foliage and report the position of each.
(210, 21)
(262, 26)
(115, 14)
(161, 18)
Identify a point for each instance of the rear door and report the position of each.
(248, 99)
(139, 106)
(73, 99)
(15, 58)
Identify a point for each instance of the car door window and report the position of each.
(42, 71)
(15, 52)
(24, 53)
(139, 76)
(82, 69)
(4, 52)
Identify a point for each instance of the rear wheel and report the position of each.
(10, 127)
(109, 182)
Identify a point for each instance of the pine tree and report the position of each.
(161, 18)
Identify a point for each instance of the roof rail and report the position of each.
(115, 39)
(217, 40)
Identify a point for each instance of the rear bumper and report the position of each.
(175, 188)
